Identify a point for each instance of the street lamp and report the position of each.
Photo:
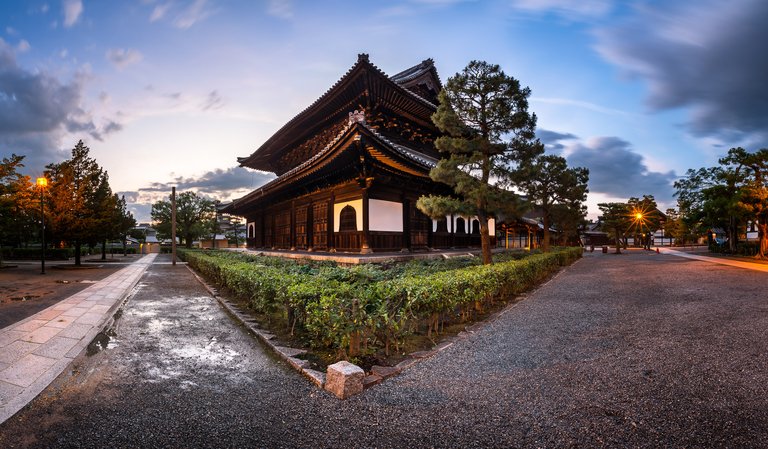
(42, 183)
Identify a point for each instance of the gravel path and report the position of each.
(637, 350)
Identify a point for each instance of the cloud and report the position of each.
(566, 8)
(551, 140)
(617, 171)
(213, 101)
(23, 46)
(72, 11)
(219, 182)
(280, 8)
(38, 111)
(159, 11)
(708, 57)
(195, 12)
(112, 127)
(122, 58)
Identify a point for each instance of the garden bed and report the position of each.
(372, 314)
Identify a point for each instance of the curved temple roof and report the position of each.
(363, 83)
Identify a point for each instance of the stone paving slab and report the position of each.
(717, 260)
(34, 351)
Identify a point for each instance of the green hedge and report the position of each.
(359, 309)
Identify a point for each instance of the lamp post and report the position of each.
(42, 183)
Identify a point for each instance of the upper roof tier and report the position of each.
(411, 94)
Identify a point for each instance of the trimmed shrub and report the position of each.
(366, 307)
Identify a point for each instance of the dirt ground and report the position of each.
(24, 291)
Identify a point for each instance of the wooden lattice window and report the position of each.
(348, 219)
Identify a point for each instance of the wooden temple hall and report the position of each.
(350, 168)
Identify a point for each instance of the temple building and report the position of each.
(350, 168)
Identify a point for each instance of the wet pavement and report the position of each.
(24, 291)
(634, 350)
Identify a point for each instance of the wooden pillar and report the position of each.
(331, 237)
(274, 229)
(293, 226)
(407, 224)
(364, 247)
(262, 231)
(310, 226)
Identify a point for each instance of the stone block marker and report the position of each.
(344, 379)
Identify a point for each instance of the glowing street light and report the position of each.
(42, 183)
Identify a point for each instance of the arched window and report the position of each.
(442, 225)
(475, 227)
(251, 231)
(460, 228)
(348, 219)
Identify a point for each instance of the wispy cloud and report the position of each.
(568, 9)
(159, 11)
(280, 8)
(73, 9)
(579, 104)
(122, 58)
(195, 12)
(213, 101)
(23, 46)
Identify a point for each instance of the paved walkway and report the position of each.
(34, 351)
(717, 260)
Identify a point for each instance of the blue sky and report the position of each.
(171, 92)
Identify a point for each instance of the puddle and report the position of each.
(102, 341)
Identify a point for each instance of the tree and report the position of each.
(645, 217)
(193, 215)
(752, 198)
(480, 108)
(548, 183)
(18, 213)
(122, 221)
(616, 219)
(728, 196)
(80, 199)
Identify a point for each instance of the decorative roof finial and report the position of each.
(362, 57)
(356, 117)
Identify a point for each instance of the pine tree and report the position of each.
(480, 108)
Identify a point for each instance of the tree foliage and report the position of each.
(558, 191)
(19, 211)
(194, 216)
(728, 196)
(489, 133)
(81, 203)
(616, 219)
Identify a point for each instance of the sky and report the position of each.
(170, 92)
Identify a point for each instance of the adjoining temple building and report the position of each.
(350, 168)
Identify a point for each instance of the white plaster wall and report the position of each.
(385, 216)
(467, 224)
(357, 204)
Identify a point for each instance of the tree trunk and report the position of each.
(125, 247)
(762, 232)
(485, 241)
(618, 242)
(104, 249)
(78, 245)
(545, 243)
(188, 241)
